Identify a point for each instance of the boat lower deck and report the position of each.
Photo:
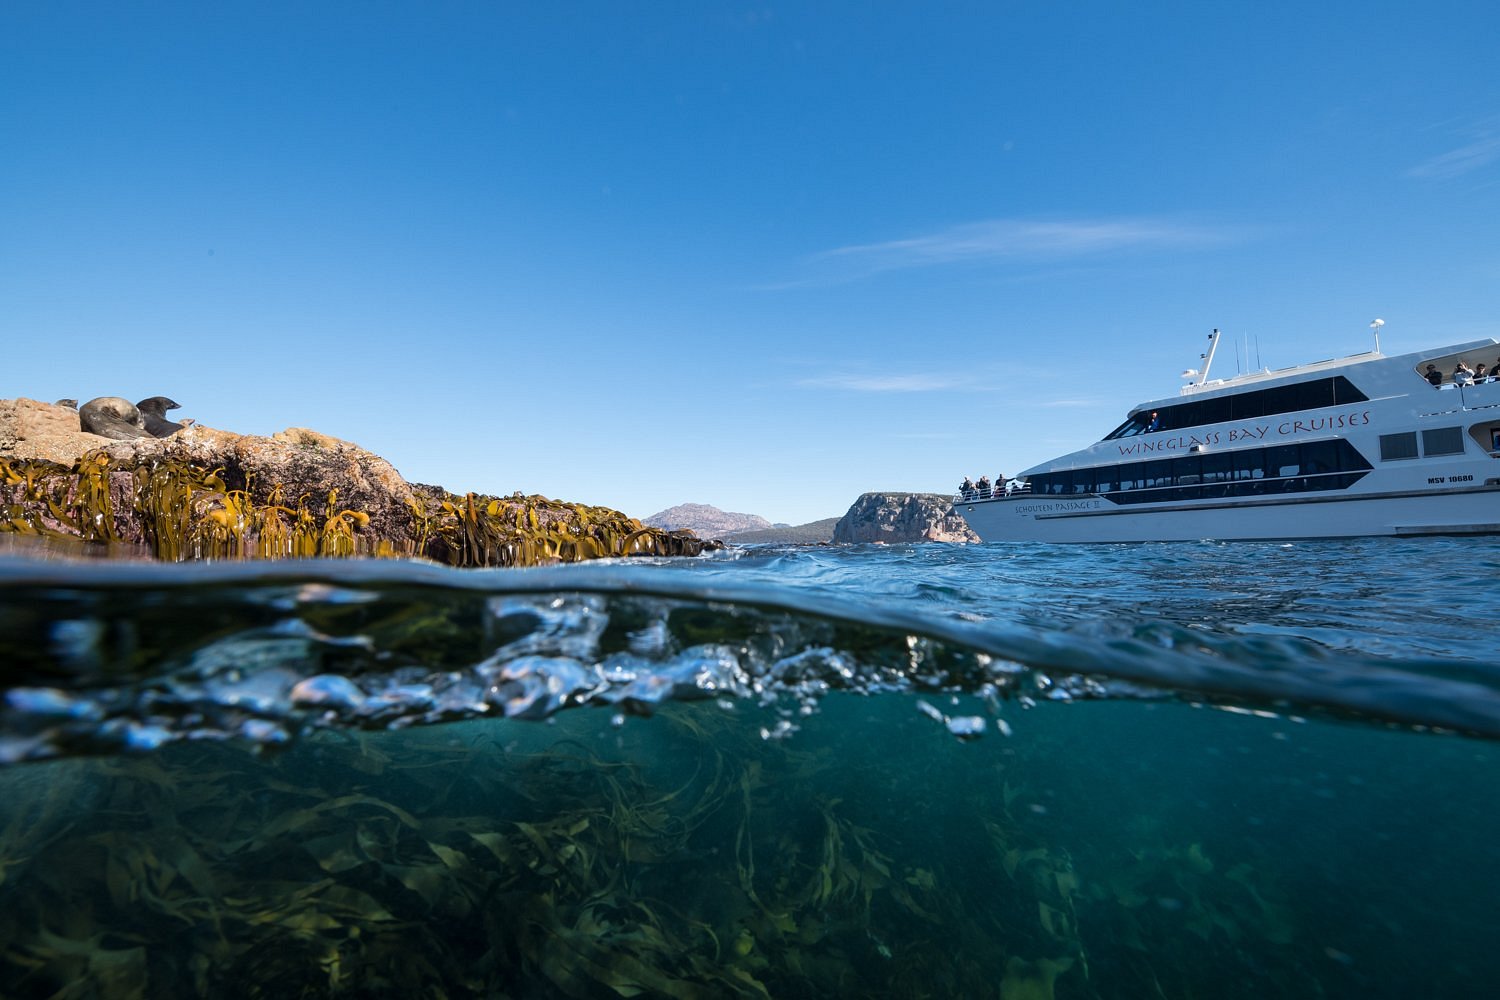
(1091, 518)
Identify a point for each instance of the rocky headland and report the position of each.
(903, 517)
(874, 517)
(198, 493)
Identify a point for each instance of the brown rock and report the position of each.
(335, 497)
(32, 429)
(903, 517)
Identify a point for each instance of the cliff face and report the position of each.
(903, 517)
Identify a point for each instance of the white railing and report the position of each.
(1010, 489)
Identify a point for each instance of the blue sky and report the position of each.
(763, 256)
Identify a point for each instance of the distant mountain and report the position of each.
(706, 521)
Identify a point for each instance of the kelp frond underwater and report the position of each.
(715, 864)
(180, 510)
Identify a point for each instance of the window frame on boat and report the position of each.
(1307, 466)
(1437, 442)
(1313, 394)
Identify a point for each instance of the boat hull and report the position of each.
(1472, 511)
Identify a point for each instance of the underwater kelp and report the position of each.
(181, 510)
(696, 859)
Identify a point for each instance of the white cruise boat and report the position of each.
(1363, 445)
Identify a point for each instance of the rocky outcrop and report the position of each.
(205, 493)
(706, 521)
(903, 517)
(32, 429)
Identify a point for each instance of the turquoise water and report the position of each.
(1242, 770)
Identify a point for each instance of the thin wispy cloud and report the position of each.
(1480, 152)
(1014, 240)
(882, 383)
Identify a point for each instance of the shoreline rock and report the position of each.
(206, 493)
(903, 517)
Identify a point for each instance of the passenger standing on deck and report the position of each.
(1463, 374)
(984, 487)
(1000, 484)
(1436, 377)
(966, 488)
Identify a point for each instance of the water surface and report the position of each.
(1018, 771)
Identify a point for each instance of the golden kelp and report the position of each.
(477, 530)
(185, 511)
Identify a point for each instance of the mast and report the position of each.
(1208, 359)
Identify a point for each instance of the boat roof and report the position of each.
(1443, 357)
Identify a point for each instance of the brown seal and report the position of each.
(154, 412)
(112, 417)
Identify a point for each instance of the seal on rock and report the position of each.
(154, 412)
(112, 417)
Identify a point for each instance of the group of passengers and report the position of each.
(984, 489)
(1464, 375)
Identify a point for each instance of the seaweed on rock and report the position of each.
(184, 510)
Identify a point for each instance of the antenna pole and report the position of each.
(1208, 359)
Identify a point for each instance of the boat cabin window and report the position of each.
(1398, 447)
(1288, 468)
(1249, 465)
(1282, 460)
(1319, 457)
(1443, 441)
(1314, 395)
(1218, 468)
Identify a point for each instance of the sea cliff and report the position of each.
(903, 517)
(203, 493)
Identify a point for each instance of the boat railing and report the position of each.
(1011, 489)
(1467, 383)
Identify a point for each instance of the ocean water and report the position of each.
(1158, 771)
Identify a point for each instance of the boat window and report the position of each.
(1249, 464)
(1396, 447)
(1486, 436)
(1284, 460)
(1313, 395)
(1443, 441)
(1158, 473)
(1319, 457)
(1129, 428)
(1291, 468)
(1217, 468)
